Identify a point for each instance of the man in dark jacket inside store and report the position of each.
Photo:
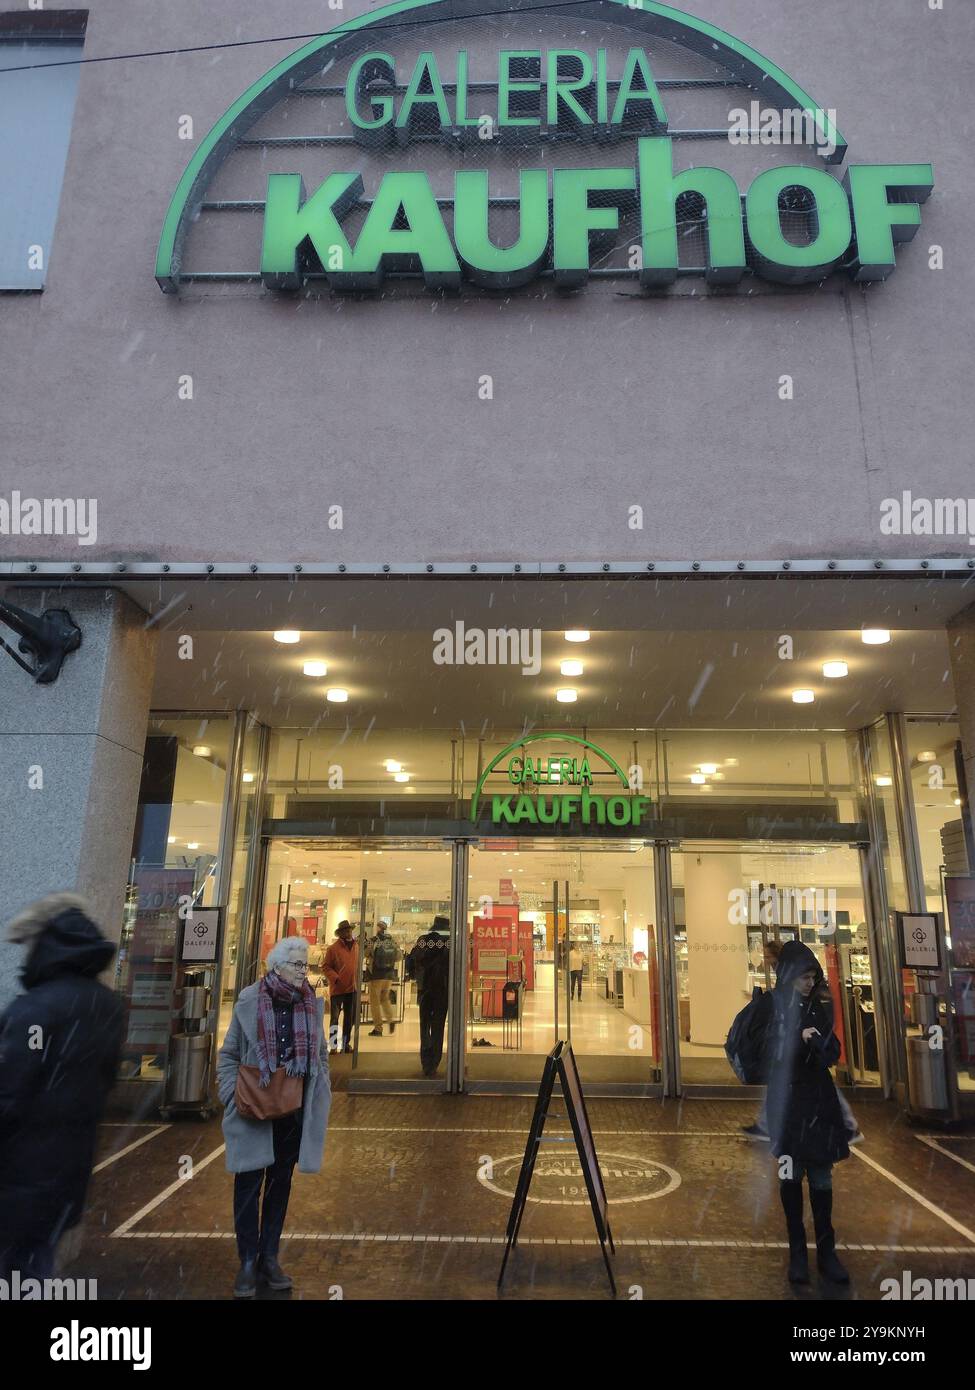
(59, 1050)
(427, 964)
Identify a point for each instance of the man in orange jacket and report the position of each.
(341, 965)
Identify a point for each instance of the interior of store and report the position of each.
(350, 726)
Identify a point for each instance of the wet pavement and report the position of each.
(413, 1199)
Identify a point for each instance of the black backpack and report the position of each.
(745, 1044)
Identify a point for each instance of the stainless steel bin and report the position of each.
(927, 1077)
(189, 1058)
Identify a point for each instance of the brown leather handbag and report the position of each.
(256, 1102)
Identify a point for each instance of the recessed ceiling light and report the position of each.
(337, 695)
(172, 839)
(875, 636)
(708, 768)
(202, 750)
(315, 668)
(247, 777)
(834, 669)
(571, 668)
(577, 634)
(884, 781)
(698, 778)
(566, 696)
(731, 762)
(803, 697)
(287, 635)
(926, 757)
(391, 765)
(401, 776)
(192, 844)
(957, 800)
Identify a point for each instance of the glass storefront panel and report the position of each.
(174, 859)
(734, 904)
(562, 945)
(314, 884)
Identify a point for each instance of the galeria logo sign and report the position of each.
(529, 774)
(795, 224)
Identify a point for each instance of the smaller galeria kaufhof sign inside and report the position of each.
(543, 787)
(495, 143)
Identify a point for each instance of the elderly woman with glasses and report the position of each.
(274, 1056)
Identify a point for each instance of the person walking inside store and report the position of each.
(427, 964)
(340, 965)
(382, 966)
(272, 1079)
(807, 1131)
(575, 970)
(59, 1049)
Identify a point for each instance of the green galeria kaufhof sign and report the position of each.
(473, 140)
(544, 789)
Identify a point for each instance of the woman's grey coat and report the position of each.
(250, 1143)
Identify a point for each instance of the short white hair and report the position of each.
(288, 948)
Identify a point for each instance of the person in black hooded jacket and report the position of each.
(807, 1130)
(59, 1049)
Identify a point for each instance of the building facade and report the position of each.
(508, 463)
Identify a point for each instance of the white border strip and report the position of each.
(929, 1206)
(932, 1143)
(113, 1158)
(125, 1227)
(653, 1242)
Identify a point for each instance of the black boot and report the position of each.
(273, 1275)
(821, 1201)
(791, 1194)
(245, 1285)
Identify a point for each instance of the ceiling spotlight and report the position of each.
(884, 781)
(709, 769)
(202, 750)
(875, 636)
(926, 757)
(192, 844)
(803, 697)
(731, 762)
(315, 668)
(571, 668)
(172, 839)
(577, 634)
(287, 635)
(957, 800)
(337, 695)
(401, 776)
(566, 696)
(247, 777)
(391, 765)
(698, 778)
(834, 669)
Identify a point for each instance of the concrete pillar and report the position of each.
(717, 966)
(80, 742)
(610, 915)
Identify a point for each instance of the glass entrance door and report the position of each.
(735, 905)
(562, 945)
(394, 892)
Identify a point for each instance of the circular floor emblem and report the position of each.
(558, 1178)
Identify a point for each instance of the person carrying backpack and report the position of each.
(807, 1131)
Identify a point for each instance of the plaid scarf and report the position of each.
(305, 1014)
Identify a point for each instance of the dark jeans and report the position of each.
(575, 982)
(820, 1179)
(433, 1017)
(344, 1004)
(255, 1241)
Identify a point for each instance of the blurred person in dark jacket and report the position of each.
(807, 1130)
(428, 965)
(59, 1049)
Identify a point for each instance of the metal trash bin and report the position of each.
(927, 1077)
(189, 1064)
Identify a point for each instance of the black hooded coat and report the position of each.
(804, 1117)
(59, 1048)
